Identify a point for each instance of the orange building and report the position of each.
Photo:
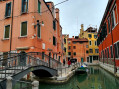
(30, 26)
(78, 49)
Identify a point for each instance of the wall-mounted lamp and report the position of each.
(39, 23)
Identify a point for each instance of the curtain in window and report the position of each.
(8, 9)
(24, 6)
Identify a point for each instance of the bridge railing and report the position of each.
(52, 63)
(15, 63)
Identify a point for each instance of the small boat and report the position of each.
(82, 70)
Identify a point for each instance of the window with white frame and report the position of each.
(24, 6)
(8, 10)
(96, 50)
(118, 48)
(108, 52)
(115, 48)
(113, 23)
(90, 43)
(95, 36)
(111, 50)
(95, 43)
(91, 50)
(24, 28)
(7, 32)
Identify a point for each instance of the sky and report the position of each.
(73, 13)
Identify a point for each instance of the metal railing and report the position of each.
(16, 63)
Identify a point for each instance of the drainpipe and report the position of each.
(11, 27)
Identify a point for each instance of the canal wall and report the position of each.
(109, 68)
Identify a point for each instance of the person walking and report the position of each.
(69, 63)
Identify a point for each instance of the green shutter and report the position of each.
(38, 31)
(7, 29)
(24, 29)
(39, 6)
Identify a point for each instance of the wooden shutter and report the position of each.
(7, 30)
(38, 31)
(24, 29)
(39, 6)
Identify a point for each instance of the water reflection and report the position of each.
(97, 78)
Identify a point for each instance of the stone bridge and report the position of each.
(18, 65)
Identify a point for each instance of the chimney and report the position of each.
(57, 14)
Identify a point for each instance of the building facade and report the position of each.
(30, 26)
(65, 42)
(91, 35)
(108, 36)
(78, 49)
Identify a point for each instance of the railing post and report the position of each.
(35, 85)
(9, 83)
(49, 61)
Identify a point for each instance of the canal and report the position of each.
(97, 78)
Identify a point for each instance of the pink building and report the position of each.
(30, 26)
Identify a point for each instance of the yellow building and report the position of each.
(65, 42)
(91, 35)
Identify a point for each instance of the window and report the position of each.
(38, 31)
(95, 43)
(69, 47)
(115, 48)
(91, 50)
(105, 53)
(65, 40)
(96, 50)
(108, 52)
(69, 53)
(111, 50)
(6, 32)
(90, 43)
(113, 19)
(24, 29)
(59, 58)
(118, 48)
(56, 56)
(54, 40)
(64, 49)
(89, 35)
(87, 51)
(43, 55)
(95, 36)
(8, 10)
(74, 47)
(39, 6)
(54, 25)
(24, 6)
(74, 53)
(86, 46)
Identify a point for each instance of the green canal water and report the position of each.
(97, 78)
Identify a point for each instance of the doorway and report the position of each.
(22, 58)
